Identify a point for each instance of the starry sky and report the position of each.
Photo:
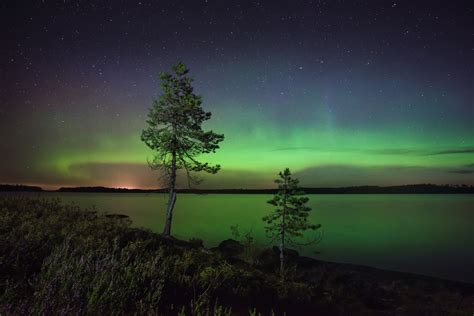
(342, 92)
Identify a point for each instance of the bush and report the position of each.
(197, 242)
(252, 249)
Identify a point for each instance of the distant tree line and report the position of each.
(400, 189)
(19, 188)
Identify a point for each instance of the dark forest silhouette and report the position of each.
(399, 189)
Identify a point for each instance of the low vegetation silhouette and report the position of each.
(400, 189)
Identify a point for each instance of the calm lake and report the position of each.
(425, 234)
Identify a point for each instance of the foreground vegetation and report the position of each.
(59, 259)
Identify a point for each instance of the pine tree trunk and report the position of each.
(169, 212)
(172, 198)
(282, 250)
(282, 232)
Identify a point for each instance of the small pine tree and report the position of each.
(288, 222)
(175, 133)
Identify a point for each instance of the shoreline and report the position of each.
(308, 262)
(399, 189)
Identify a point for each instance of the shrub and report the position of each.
(252, 249)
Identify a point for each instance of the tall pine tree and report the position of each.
(175, 133)
(290, 219)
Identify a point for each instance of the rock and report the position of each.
(307, 262)
(268, 259)
(197, 242)
(230, 248)
(116, 216)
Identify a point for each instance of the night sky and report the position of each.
(342, 92)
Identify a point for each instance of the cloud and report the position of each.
(390, 151)
(462, 171)
(394, 151)
(465, 150)
(466, 169)
(416, 152)
(295, 148)
(420, 152)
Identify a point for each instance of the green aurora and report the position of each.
(255, 149)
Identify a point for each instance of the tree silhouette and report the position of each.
(290, 219)
(175, 133)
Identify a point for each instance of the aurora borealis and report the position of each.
(343, 93)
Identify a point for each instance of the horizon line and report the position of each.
(98, 187)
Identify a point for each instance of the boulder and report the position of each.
(268, 259)
(230, 248)
(117, 216)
